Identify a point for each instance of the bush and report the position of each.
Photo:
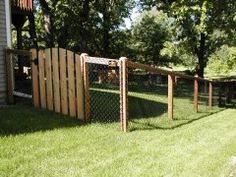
(222, 61)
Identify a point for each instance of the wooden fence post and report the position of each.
(9, 77)
(124, 93)
(196, 95)
(79, 88)
(171, 79)
(35, 81)
(85, 75)
(210, 94)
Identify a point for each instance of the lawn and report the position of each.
(41, 143)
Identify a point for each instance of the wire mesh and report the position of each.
(147, 98)
(104, 91)
(226, 94)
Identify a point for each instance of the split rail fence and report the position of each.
(100, 89)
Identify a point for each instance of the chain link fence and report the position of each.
(104, 85)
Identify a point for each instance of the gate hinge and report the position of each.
(35, 61)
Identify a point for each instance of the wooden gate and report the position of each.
(57, 81)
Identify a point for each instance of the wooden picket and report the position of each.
(58, 79)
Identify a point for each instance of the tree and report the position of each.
(222, 61)
(198, 20)
(84, 26)
(149, 32)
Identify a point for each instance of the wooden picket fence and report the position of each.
(57, 81)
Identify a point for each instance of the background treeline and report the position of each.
(192, 34)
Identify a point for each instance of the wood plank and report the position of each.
(49, 79)
(63, 81)
(125, 93)
(164, 71)
(35, 81)
(10, 78)
(56, 84)
(170, 96)
(71, 83)
(85, 76)
(79, 88)
(42, 87)
(195, 95)
(121, 93)
(210, 94)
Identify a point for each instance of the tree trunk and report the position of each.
(106, 29)
(201, 55)
(32, 30)
(48, 23)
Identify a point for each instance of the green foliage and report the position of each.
(83, 26)
(222, 61)
(199, 21)
(149, 32)
(178, 53)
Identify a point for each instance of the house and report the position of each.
(11, 12)
(5, 41)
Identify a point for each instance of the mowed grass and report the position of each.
(41, 143)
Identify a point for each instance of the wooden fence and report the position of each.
(60, 82)
(57, 81)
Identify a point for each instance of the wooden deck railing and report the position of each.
(26, 5)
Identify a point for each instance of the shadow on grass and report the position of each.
(105, 107)
(168, 124)
(21, 119)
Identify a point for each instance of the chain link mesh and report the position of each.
(104, 92)
(148, 100)
(147, 95)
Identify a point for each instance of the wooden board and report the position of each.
(63, 81)
(210, 94)
(49, 79)
(196, 95)
(41, 58)
(56, 84)
(35, 81)
(71, 83)
(170, 96)
(79, 88)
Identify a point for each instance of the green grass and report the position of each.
(40, 143)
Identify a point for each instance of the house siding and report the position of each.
(3, 44)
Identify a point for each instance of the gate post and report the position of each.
(34, 75)
(9, 76)
(85, 76)
(210, 94)
(124, 93)
(196, 95)
(171, 79)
